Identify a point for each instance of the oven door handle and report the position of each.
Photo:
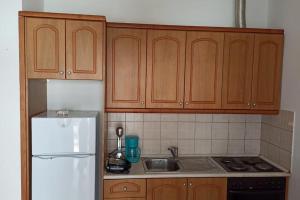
(251, 192)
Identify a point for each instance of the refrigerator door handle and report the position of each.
(50, 157)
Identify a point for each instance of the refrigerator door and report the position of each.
(63, 178)
(63, 135)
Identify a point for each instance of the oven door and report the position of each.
(256, 195)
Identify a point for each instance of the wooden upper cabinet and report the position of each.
(204, 65)
(166, 189)
(45, 48)
(207, 189)
(237, 72)
(126, 68)
(165, 69)
(268, 53)
(85, 49)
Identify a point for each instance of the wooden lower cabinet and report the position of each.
(125, 189)
(187, 189)
(207, 189)
(166, 189)
(126, 199)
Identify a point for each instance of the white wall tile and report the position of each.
(204, 117)
(253, 131)
(252, 147)
(286, 140)
(186, 147)
(116, 117)
(152, 130)
(203, 147)
(165, 144)
(236, 147)
(152, 117)
(151, 147)
(253, 118)
(285, 159)
(237, 118)
(134, 117)
(111, 145)
(220, 131)
(274, 136)
(135, 128)
(169, 130)
(203, 131)
(220, 118)
(237, 131)
(169, 117)
(274, 153)
(264, 146)
(186, 130)
(219, 146)
(186, 117)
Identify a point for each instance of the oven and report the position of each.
(269, 188)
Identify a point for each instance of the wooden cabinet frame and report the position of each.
(33, 93)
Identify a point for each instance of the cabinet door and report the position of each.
(267, 66)
(207, 189)
(84, 49)
(45, 48)
(166, 189)
(126, 68)
(203, 75)
(165, 69)
(237, 73)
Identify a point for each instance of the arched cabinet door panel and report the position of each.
(207, 189)
(126, 68)
(85, 53)
(237, 72)
(203, 74)
(45, 48)
(165, 68)
(165, 189)
(267, 67)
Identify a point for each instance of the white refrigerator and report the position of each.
(64, 156)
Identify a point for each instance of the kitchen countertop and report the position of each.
(137, 172)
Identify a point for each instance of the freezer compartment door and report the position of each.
(63, 135)
(63, 178)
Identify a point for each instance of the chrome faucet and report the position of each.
(174, 151)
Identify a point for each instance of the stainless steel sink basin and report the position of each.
(161, 165)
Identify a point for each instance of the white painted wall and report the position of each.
(10, 182)
(33, 5)
(285, 14)
(187, 12)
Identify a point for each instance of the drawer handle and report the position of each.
(125, 189)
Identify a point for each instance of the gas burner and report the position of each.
(263, 167)
(227, 160)
(237, 167)
(251, 161)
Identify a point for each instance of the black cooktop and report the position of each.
(245, 164)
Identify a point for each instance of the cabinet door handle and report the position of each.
(190, 184)
(61, 72)
(142, 102)
(184, 184)
(249, 104)
(254, 104)
(125, 189)
(180, 103)
(186, 103)
(69, 73)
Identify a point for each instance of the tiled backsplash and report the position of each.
(277, 138)
(194, 134)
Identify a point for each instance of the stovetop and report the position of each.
(245, 164)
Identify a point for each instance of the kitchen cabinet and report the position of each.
(165, 68)
(252, 71)
(64, 49)
(237, 72)
(207, 189)
(126, 68)
(163, 189)
(267, 64)
(127, 188)
(203, 73)
(190, 189)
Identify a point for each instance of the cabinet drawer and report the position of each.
(125, 188)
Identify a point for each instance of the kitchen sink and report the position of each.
(161, 165)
